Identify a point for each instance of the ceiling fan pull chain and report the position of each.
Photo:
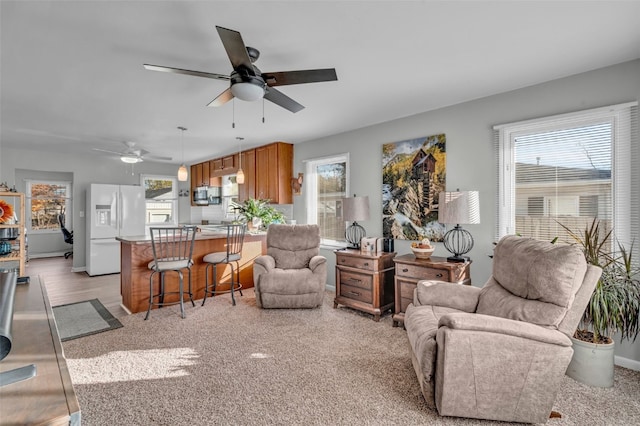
(262, 110)
(233, 120)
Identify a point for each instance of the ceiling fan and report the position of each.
(133, 155)
(247, 82)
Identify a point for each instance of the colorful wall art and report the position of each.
(413, 174)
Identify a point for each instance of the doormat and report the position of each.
(81, 319)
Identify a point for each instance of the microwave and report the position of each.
(201, 196)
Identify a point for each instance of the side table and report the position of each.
(364, 281)
(410, 270)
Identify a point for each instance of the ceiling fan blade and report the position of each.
(108, 151)
(299, 77)
(186, 72)
(279, 98)
(222, 98)
(156, 157)
(236, 49)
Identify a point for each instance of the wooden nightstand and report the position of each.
(364, 281)
(410, 270)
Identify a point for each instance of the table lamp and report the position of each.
(355, 209)
(459, 207)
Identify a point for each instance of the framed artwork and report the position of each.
(413, 175)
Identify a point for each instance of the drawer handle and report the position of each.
(438, 275)
(355, 280)
(366, 263)
(405, 270)
(355, 293)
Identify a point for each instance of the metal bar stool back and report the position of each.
(233, 254)
(172, 251)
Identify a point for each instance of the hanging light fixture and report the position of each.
(183, 174)
(240, 173)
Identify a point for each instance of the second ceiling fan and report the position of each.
(247, 82)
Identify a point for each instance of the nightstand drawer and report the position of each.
(353, 279)
(421, 273)
(356, 293)
(357, 263)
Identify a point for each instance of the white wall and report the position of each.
(84, 169)
(471, 161)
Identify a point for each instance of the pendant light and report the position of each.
(240, 173)
(183, 174)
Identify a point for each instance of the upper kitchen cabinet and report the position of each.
(274, 169)
(248, 163)
(224, 166)
(200, 174)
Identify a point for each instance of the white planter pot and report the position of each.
(592, 364)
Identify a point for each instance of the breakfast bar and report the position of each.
(136, 253)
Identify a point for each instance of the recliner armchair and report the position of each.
(292, 274)
(501, 352)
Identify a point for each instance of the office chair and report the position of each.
(68, 236)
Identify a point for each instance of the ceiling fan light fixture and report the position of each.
(249, 92)
(130, 159)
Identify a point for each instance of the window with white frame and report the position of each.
(161, 199)
(326, 180)
(46, 200)
(569, 170)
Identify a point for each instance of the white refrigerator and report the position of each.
(112, 211)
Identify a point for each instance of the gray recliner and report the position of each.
(292, 274)
(501, 352)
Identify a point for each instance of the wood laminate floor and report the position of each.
(64, 286)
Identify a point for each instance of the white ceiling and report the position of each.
(72, 77)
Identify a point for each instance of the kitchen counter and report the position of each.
(136, 253)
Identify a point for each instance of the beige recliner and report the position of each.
(501, 352)
(292, 274)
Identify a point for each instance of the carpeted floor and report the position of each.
(226, 365)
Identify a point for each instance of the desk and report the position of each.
(48, 398)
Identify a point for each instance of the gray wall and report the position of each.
(471, 161)
(20, 164)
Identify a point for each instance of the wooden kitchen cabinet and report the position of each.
(274, 170)
(224, 166)
(248, 163)
(200, 176)
(410, 270)
(364, 281)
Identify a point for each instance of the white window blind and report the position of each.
(569, 169)
(326, 180)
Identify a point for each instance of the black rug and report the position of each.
(81, 319)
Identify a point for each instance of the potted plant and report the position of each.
(614, 307)
(257, 213)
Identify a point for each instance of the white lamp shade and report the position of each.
(240, 176)
(459, 207)
(247, 91)
(183, 174)
(355, 208)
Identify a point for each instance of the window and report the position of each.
(161, 197)
(46, 200)
(569, 169)
(327, 182)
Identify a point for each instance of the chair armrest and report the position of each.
(316, 261)
(449, 295)
(491, 324)
(266, 261)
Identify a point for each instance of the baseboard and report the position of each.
(45, 255)
(631, 364)
(79, 269)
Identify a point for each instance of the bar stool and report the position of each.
(172, 251)
(235, 239)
